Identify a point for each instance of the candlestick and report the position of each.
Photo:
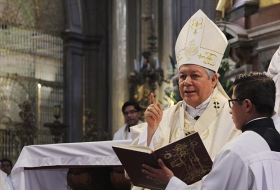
(57, 111)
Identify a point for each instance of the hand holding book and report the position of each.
(187, 158)
(162, 175)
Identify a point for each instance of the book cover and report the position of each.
(187, 158)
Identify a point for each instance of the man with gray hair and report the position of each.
(251, 160)
(199, 50)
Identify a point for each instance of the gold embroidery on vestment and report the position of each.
(205, 135)
(196, 24)
(191, 50)
(186, 125)
(216, 106)
(179, 57)
(216, 103)
(209, 58)
(187, 128)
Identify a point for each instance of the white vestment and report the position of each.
(276, 121)
(244, 163)
(4, 184)
(123, 133)
(273, 71)
(215, 126)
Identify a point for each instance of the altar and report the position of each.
(60, 166)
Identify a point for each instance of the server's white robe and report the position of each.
(4, 183)
(276, 121)
(123, 134)
(245, 163)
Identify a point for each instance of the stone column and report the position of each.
(165, 45)
(118, 69)
(81, 63)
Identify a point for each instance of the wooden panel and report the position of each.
(264, 16)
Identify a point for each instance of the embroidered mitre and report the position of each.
(200, 42)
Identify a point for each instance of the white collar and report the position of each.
(197, 111)
(255, 119)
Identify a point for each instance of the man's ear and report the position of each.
(248, 104)
(214, 79)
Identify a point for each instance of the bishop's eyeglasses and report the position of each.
(231, 102)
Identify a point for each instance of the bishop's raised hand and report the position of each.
(153, 113)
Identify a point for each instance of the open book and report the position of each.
(187, 158)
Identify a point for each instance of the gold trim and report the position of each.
(179, 57)
(197, 24)
(217, 107)
(205, 136)
(209, 58)
(191, 50)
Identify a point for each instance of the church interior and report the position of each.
(67, 66)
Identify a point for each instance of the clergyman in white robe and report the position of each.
(4, 184)
(123, 133)
(214, 125)
(199, 44)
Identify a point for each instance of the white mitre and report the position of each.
(274, 72)
(200, 42)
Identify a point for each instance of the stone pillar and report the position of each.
(73, 76)
(165, 45)
(80, 73)
(118, 69)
